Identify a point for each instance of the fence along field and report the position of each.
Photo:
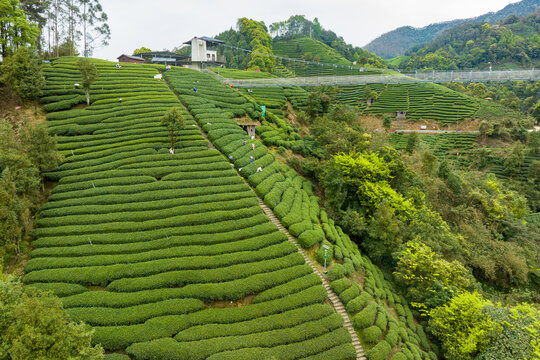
(381, 317)
(167, 255)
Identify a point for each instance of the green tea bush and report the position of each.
(350, 293)
(337, 271)
(379, 351)
(358, 303)
(310, 238)
(366, 317)
(371, 334)
(340, 285)
(135, 314)
(381, 321)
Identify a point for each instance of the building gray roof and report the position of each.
(132, 57)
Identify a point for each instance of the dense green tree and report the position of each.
(479, 45)
(517, 334)
(412, 142)
(174, 121)
(387, 122)
(385, 233)
(429, 162)
(462, 327)
(89, 74)
(419, 268)
(444, 169)
(15, 29)
(22, 73)
(42, 150)
(142, 49)
(260, 42)
(36, 11)
(14, 215)
(514, 162)
(33, 325)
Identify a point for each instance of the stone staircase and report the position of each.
(334, 300)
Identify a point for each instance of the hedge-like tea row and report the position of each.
(243, 233)
(120, 238)
(119, 337)
(135, 314)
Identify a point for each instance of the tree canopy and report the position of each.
(33, 325)
(15, 29)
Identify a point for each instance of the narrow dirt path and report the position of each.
(334, 300)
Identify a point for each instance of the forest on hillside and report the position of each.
(397, 42)
(513, 42)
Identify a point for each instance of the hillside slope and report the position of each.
(167, 253)
(398, 41)
(512, 43)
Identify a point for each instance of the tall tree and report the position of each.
(95, 30)
(260, 42)
(72, 18)
(36, 11)
(15, 29)
(174, 122)
(89, 74)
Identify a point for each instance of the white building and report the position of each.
(204, 52)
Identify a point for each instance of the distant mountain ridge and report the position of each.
(398, 41)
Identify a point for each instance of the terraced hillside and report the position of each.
(320, 53)
(420, 101)
(382, 319)
(169, 256)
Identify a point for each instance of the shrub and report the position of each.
(379, 351)
(116, 357)
(350, 293)
(399, 356)
(337, 271)
(366, 317)
(371, 334)
(135, 314)
(359, 302)
(340, 285)
(392, 337)
(381, 318)
(310, 238)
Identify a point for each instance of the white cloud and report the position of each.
(164, 24)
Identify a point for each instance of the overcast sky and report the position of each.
(164, 24)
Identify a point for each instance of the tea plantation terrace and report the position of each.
(167, 255)
(170, 255)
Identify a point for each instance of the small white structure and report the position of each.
(204, 51)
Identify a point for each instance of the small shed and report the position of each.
(401, 115)
(131, 59)
(248, 125)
